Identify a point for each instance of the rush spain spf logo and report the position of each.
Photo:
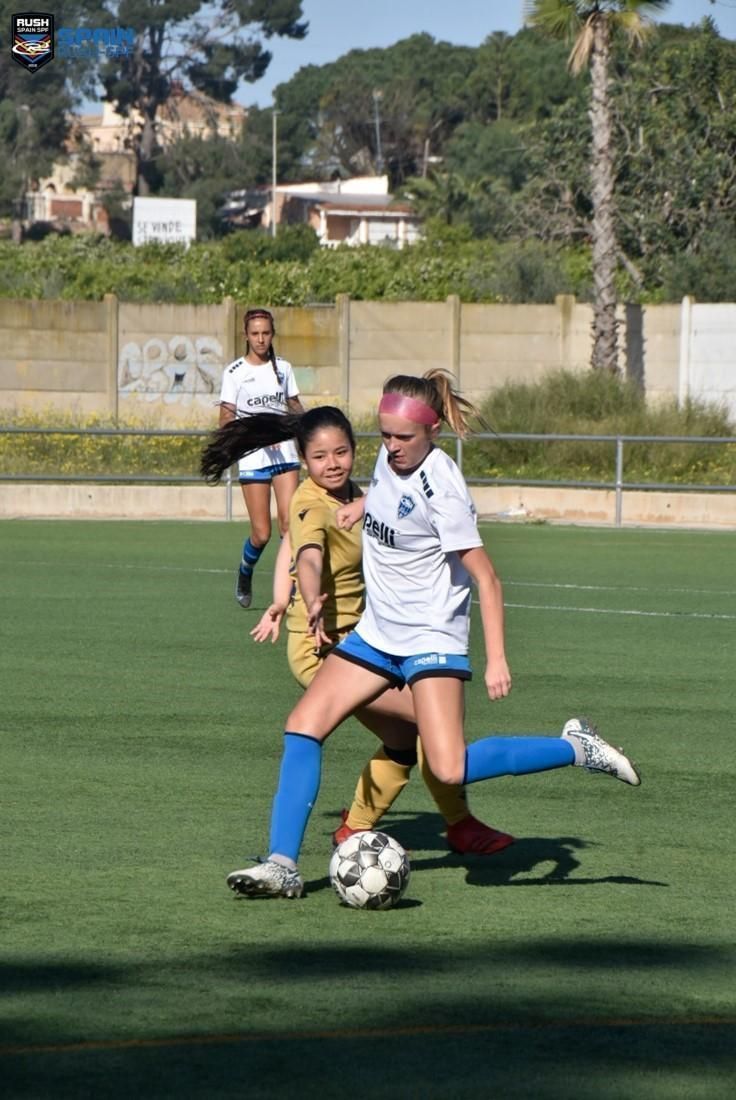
(32, 37)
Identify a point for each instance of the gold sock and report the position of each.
(449, 798)
(381, 782)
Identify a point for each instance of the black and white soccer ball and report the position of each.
(369, 870)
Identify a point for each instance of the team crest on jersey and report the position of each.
(33, 39)
(406, 505)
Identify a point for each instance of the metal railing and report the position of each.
(617, 483)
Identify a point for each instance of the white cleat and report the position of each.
(595, 754)
(267, 879)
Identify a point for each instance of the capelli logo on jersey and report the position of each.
(267, 400)
(380, 531)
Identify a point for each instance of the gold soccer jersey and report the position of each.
(312, 523)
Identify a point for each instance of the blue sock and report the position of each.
(251, 554)
(494, 756)
(299, 778)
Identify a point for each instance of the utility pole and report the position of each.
(274, 132)
(377, 97)
(20, 157)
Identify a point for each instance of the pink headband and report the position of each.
(397, 404)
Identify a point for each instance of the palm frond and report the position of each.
(582, 48)
(557, 18)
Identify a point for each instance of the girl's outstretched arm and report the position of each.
(490, 597)
(309, 578)
(270, 622)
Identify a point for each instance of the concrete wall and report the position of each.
(58, 355)
(511, 503)
(310, 338)
(660, 356)
(163, 363)
(708, 353)
(521, 343)
(170, 360)
(388, 338)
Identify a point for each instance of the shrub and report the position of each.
(290, 269)
(76, 454)
(563, 403)
(598, 403)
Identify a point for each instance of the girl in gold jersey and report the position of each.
(319, 586)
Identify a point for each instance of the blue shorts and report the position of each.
(403, 670)
(267, 472)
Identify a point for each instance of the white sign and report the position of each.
(170, 221)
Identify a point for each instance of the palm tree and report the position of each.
(590, 25)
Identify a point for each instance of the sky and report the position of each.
(337, 26)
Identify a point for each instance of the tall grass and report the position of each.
(72, 454)
(597, 403)
(563, 403)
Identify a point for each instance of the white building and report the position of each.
(355, 211)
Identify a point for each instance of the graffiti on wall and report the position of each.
(181, 370)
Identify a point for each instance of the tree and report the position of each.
(188, 44)
(676, 171)
(204, 169)
(590, 26)
(419, 81)
(34, 114)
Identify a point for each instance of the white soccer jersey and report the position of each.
(253, 389)
(417, 590)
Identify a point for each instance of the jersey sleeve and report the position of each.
(308, 526)
(290, 387)
(454, 518)
(229, 387)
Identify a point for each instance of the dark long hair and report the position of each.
(249, 433)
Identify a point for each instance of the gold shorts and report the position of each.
(304, 659)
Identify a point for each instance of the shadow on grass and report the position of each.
(422, 832)
(378, 1035)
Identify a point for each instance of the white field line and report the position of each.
(620, 611)
(619, 588)
(150, 567)
(507, 584)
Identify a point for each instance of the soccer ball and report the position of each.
(369, 870)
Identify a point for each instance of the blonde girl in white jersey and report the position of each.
(421, 551)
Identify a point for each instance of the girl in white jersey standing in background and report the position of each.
(260, 381)
(421, 551)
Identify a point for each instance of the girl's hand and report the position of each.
(315, 622)
(268, 625)
(498, 678)
(349, 514)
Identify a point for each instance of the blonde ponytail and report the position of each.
(436, 388)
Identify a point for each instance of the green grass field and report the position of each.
(140, 743)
